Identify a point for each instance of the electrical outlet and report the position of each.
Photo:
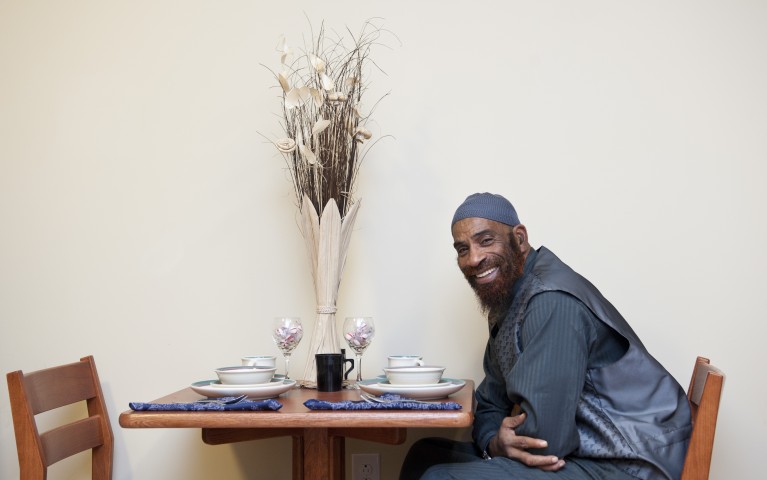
(366, 466)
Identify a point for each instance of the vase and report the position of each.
(327, 241)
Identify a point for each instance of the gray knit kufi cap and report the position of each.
(487, 205)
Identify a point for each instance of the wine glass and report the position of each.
(286, 333)
(358, 333)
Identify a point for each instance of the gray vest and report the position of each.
(628, 411)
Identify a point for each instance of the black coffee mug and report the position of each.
(330, 371)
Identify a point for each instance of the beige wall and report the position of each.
(144, 220)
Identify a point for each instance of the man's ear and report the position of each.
(520, 235)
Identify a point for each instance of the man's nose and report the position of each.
(476, 255)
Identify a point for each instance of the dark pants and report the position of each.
(444, 459)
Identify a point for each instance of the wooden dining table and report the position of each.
(318, 435)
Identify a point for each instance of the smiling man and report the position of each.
(569, 392)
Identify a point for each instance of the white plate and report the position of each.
(445, 387)
(254, 392)
(388, 384)
(218, 384)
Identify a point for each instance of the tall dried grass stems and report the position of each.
(326, 135)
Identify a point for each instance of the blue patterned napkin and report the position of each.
(269, 404)
(394, 402)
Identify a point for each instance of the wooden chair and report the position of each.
(43, 390)
(703, 394)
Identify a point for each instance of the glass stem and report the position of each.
(287, 364)
(359, 367)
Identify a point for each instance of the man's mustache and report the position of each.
(471, 272)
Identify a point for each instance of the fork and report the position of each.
(373, 399)
(231, 401)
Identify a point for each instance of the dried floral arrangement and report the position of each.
(326, 139)
(326, 136)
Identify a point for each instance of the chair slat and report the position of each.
(67, 440)
(58, 386)
(699, 380)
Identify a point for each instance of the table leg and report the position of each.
(318, 453)
(298, 457)
(323, 455)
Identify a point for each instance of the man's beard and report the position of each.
(495, 297)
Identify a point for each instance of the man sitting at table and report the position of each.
(569, 387)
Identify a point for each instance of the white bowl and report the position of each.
(418, 375)
(260, 360)
(405, 361)
(245, 375)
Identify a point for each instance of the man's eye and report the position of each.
(486, 241)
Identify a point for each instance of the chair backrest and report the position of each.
(703, 394)
(43, 390)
